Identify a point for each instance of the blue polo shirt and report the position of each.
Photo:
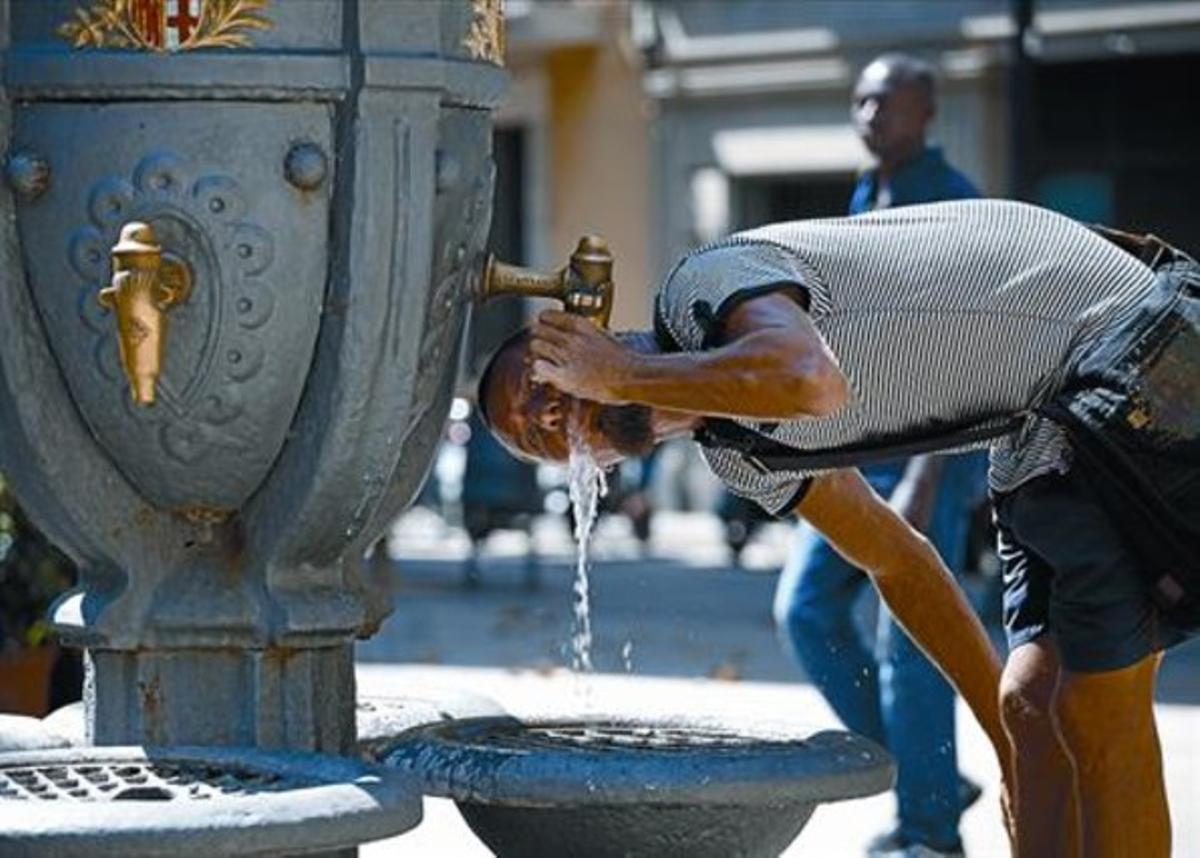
(928, 178)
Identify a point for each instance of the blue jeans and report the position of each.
(894, 695)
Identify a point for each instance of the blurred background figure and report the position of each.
(894, 102)
(742, 519)
(893, 694)
(498, 492)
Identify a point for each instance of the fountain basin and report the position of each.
(378, 720)
(642, 786)
(381, 720)
(124, 801)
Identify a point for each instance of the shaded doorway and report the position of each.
(1115, 140)
(757, 200)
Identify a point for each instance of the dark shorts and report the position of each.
(1067, 571)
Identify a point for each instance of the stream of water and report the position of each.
(587, 485)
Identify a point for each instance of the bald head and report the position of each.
(894, 101)
(504, 398)
(903, 70)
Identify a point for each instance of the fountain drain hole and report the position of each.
(144, 793)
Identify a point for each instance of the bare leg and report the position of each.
(1107, 720)
(1044, 803)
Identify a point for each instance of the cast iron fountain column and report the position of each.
(217, 457)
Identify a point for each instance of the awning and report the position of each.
(789, 149)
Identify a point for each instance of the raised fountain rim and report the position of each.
(343, 801)
(787, 768)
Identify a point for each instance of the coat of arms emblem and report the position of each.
(166, 25)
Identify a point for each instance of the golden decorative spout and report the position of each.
(584, 286)
(145, 284)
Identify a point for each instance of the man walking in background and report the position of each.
(893, 695)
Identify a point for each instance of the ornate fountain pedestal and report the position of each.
(239, 243)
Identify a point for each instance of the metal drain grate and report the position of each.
(601, 737)
(98, 781)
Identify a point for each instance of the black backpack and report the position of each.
(1131, 405)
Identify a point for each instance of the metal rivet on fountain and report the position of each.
(449, 170)
(27, 174)
(306, 166)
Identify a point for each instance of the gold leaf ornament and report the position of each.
(224, 23)
(162, 27)
(103, 25)
(485, 39)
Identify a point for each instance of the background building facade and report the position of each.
(661, 124)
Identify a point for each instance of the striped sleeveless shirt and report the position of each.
(937, 313)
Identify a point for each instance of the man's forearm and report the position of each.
(915, 585)
(925, 599)
(770, 362)
(755, 376)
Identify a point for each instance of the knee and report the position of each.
(1027, 712)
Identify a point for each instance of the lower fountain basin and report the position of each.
(629, 787)
(379, 720)
(127, 801)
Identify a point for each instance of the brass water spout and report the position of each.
(584, 286)
(145, 284)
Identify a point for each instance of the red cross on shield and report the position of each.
(182, 17)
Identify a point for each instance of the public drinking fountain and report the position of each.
(239, 241)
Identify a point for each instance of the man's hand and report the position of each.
(574, 355)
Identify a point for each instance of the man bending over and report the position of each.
(795, 352)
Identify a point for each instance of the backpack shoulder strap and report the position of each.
(766, 455)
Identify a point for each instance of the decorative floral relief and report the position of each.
(205, 218)
(166, 25)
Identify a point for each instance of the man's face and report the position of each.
(539, 421)
(890, 112)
